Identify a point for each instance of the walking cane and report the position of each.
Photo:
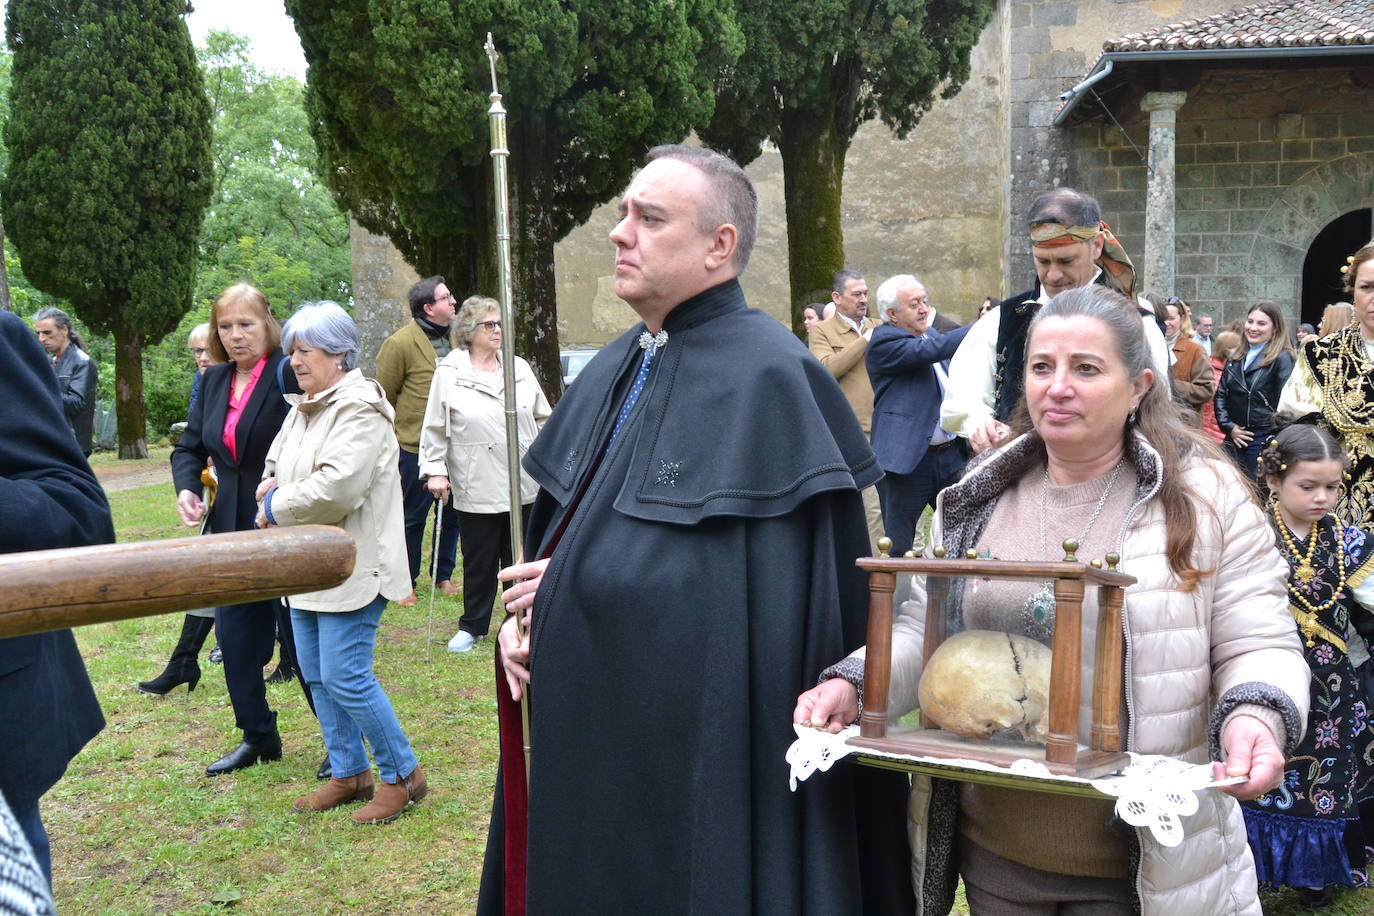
(433, 572)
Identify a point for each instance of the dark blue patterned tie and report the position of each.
(635, 389)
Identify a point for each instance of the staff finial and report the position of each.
(490, 48)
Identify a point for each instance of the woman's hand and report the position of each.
(1241, 436)
(515, 655)
(264, 487)
(437, 486)
(1251, 751)
(831, 705)
(190, 508)
(520, 596)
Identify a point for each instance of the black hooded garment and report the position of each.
(704, 579)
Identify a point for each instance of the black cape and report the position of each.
(48, 499)
(703, 581)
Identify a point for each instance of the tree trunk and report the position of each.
(5, 302)
(813, 153)
(133, 418)
(532, 244)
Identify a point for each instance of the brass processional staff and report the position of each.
(496, 115)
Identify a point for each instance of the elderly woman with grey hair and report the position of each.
(463, 453)
(334, 463)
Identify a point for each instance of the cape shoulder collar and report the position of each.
(736, 419)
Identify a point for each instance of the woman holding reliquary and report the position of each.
(1213, 670)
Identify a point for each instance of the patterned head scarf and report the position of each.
(1115, 263)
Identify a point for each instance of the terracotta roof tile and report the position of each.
(1273, 24)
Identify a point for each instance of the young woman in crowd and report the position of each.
(1248, 394)
(1309, 832)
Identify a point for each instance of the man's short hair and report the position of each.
(733, 200)
(422, 294)
(887, 292)
(842, 278)
(1066, 206)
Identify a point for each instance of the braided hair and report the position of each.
(1296, 443)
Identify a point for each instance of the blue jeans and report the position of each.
(335, 655)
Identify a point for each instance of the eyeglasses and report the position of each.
(199, 351)
(490, 325)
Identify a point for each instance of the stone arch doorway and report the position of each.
(1322, 281)
(1290, 227)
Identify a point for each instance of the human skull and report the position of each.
(985, 684)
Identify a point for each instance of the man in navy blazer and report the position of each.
(907, 363)
(48, 499)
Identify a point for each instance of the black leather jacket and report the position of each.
(1249, 397)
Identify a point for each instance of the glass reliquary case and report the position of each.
(1012, 657)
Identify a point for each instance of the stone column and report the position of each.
(1160, 262)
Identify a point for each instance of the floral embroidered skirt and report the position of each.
(1317, 827)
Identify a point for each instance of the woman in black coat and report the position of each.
(1248, 393)
(242, 395)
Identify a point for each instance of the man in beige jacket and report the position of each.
(405, 368)
(840, 342)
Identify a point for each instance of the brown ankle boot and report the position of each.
(337, 792)
(416, 784)
(392, 798)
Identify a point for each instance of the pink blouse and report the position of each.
(236, 405)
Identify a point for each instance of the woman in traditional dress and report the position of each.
(1214, 666)
(1308, 832)
(1333, 384)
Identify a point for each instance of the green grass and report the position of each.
(137, 828)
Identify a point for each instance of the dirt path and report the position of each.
(130, 475)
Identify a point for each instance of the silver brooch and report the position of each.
(647, 340)
(668, 472)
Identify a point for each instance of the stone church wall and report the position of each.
(1265, 160)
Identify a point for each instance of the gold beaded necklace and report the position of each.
(1343, 397)
(1303, 611)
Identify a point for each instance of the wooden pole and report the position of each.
(57, 589)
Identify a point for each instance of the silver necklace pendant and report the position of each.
(1037, 614)
(647, 340)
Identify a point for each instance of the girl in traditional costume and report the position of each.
(1309, 833)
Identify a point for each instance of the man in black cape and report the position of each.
(48, 499)
(695, 534)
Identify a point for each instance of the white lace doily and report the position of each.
(1152, 791)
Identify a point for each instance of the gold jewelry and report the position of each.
(1303, 611)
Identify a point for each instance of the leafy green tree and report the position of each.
(814, 71)
(270, 222)
(397, 96)
(110, 172)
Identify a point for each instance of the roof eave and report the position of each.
(1108, 59)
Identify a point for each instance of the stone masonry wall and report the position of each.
(1265, 160)
(1050, 47)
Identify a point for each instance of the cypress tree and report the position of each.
(397, 96)
(110, 170)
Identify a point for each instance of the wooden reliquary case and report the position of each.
(1003, 670)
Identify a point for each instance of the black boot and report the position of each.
(182, 667)
(247, 754)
